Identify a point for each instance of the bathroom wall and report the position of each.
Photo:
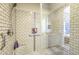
(5, 24)
(24, 24)
(5, 19)
(74, 26)
(56, 20)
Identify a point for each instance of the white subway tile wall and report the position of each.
(24, 25)
(74, 26)
(5, 23)
(5, 13)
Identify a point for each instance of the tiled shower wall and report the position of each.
(24, 24)
(5, 20)
(74, 23)
(55, 37)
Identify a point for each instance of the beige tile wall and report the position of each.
(24, 24)
(74, 23)
(5, 24)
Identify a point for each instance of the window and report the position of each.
(67, 20)
(44, 24)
